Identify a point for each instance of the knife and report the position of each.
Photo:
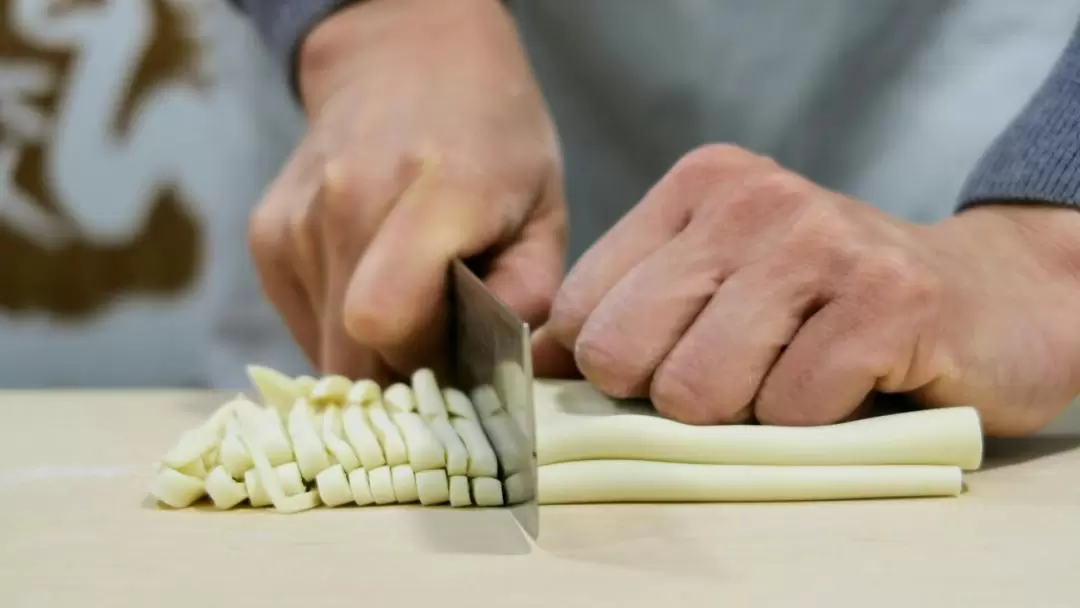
(491, 356)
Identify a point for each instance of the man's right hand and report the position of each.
(428, 140)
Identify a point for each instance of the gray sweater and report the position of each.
(1036, 158)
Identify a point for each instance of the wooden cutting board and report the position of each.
(76, 529)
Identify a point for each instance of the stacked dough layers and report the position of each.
(640, 458)
(335, 442)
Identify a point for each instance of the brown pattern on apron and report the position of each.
(78, 277)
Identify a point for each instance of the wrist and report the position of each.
(1050, 234)
(391, 31)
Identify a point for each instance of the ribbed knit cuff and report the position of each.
(1037, 157)
(284, 24)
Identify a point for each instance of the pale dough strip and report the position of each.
(332, 430)
(429, 399)
(389, 437)
(947, 436)
(278, 390)
(621, 481)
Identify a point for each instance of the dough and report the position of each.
(381, 485)
(459, 491)
(333, 442)
(176, 489)
(308, 447)
(947, 436)
(429, 399)
(361, 438)
(458, 404)
(422, 446)
(332, 430)
(277, 390)
(331, 389)
(398, 397)
(333, 486)
(433, 487)
(482, 461)
(486, 492)
(457, 456)
(223, 490)
(619, 481)
(389, 437)
(404, 479)
(358, 483)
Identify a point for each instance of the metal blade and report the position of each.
(490, 349)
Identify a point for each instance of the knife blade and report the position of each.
(490, 350)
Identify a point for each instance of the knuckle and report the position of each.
(780, 186)
(825, 221)
(889, 265)
(823, 226)
(769, 198)
(715, 154)
(297, 225)
(897, 271)
(265, 235)
(705, 163)
(343, 193)
(355, 192)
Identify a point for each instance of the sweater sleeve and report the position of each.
(1037, 157)
(283, 24)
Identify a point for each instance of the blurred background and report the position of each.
(135, 138)
(137, 135)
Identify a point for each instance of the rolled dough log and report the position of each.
(618, 481)
(947, 437)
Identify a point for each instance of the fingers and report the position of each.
(358, 271)
(290, 299)
(664, 212)
(551, 359)
(836, 360)
(642, 231)
(355, 201)
(270, 239)
(303, 241)
(527, 274)
(641, 318)
(712, 375)
(395, 300)
(868, 337)
(823, 376)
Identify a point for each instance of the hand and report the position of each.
(737, 289)
(428, 139)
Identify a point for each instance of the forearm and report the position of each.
(1037, 158)
(283, 24)
(1030, 176)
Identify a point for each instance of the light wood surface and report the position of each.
(76, 530)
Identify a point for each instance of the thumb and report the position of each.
(551, 359)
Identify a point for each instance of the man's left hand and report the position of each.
(736, 289)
